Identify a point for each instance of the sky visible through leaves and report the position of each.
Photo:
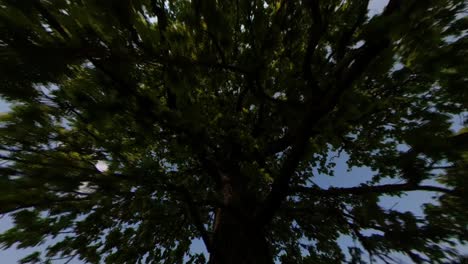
(343, 178)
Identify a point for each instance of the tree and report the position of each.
(212, 120)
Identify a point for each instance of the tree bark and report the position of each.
(236, 241)
(237, 238)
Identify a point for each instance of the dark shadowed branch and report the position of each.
(368, 189)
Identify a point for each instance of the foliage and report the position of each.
(205, 107)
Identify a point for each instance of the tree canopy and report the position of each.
(138, 126)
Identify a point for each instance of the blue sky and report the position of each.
(412, 202)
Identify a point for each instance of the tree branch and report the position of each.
(280, 186)
(316, 31)
(184, 62)
(347, 35)
(18, 205)
(51, 19)
(195, 214)
(346, 76)
(45, 164)
(367, 189)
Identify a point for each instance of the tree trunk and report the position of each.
(238, 242)
(236, 238)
